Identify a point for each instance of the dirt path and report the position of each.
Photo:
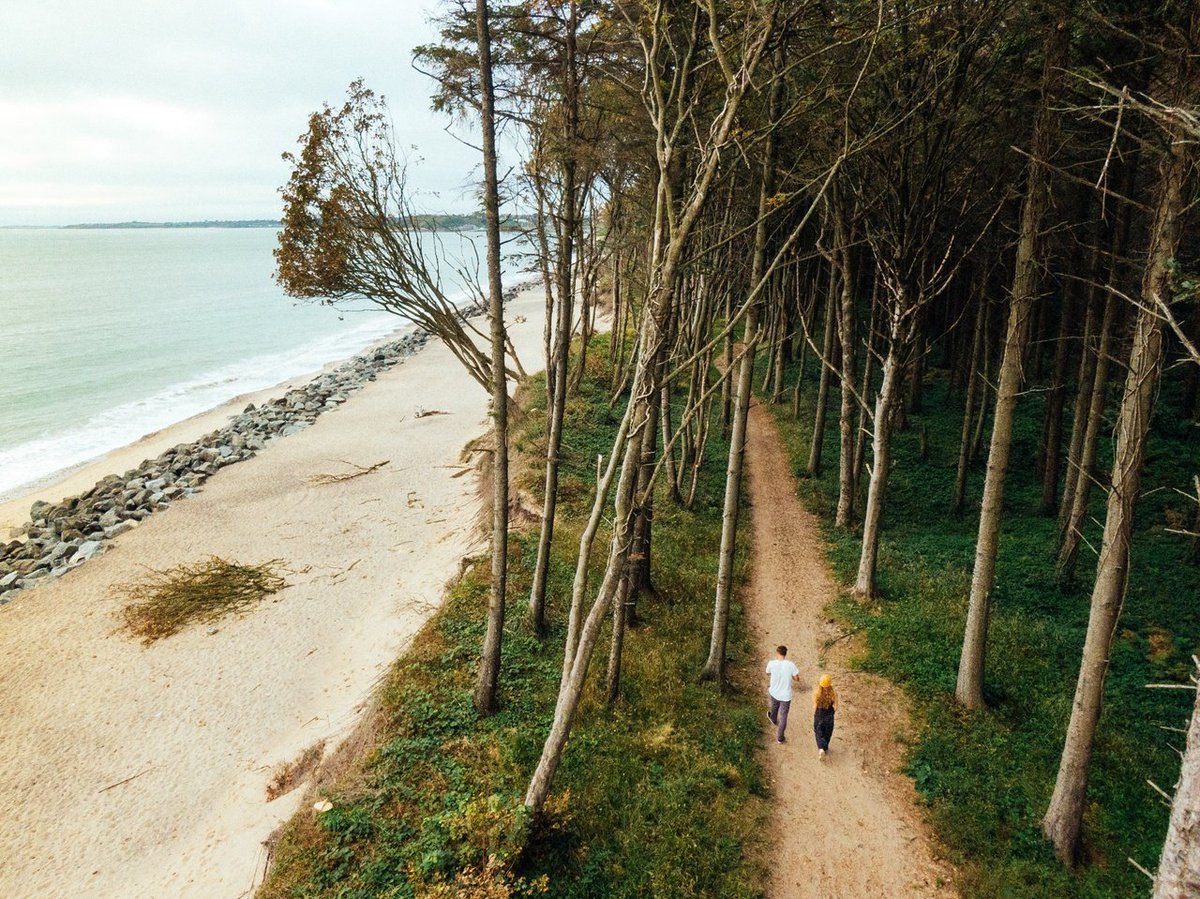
(845, 827)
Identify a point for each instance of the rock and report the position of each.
(119, 528)
(38, 510)
(56, 553)
(88, 550)
(9, 579)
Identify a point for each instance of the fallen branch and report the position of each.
(126, 780)
(359, 471)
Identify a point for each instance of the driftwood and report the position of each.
(359, 471)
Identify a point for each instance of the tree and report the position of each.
(1178, 874)
(920, 169)
(489, 664)
(664, 41)
(969, 689)
(714, 667)
(349, 231)
(1063, 821)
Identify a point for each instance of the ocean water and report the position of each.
(109, 335)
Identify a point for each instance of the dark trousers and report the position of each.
(823, 727)
(778, 716)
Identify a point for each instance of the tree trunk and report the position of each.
(1064, 817)
(985, 384)
(860, 429)
(889, 388)
(1179, 865)
(769, 336)
(964, 446)
(1052, 428)
(916, 384)
(780, 354)
(714, 666)
(969, 689)
(826, 362)
(665, 425)
(1073, 532)
(638, 574)
(849, 340)
(489, 665)
(620, 616)
(727, 384)
(558, 365)
(806, 317)
(1084, 381)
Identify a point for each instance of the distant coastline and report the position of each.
(219, 223)
(440, 222)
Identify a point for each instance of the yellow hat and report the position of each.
(825, 680)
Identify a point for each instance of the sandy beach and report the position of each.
(136, 771)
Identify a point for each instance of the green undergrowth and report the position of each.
(987, 776)
(656, 797)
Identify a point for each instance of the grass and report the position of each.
(987, 776)
(205, 591)
(658, 796)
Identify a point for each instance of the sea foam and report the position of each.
(25, 465)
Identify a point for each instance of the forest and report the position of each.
(951, 247)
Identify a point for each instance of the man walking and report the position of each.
(781, 674)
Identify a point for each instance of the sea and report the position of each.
(107, 335)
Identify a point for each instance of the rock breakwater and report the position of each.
(62, 536)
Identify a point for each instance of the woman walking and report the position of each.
(824, 707)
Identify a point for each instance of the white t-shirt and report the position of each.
(782, 671)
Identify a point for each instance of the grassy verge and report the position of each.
(656, 797)
(987, 777)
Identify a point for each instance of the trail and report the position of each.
(847, 826)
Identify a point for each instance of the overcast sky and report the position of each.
(113, 110)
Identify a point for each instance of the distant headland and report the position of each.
(215, 223)
(447, 222)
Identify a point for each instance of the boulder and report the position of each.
(119, 528)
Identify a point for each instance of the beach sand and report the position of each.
(136, 771)
(14, 510)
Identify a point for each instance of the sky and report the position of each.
(117, 110)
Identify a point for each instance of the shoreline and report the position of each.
(143, 770)
(58, 486)
(74, 480)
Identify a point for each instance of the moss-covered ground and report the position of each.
(657, 796)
